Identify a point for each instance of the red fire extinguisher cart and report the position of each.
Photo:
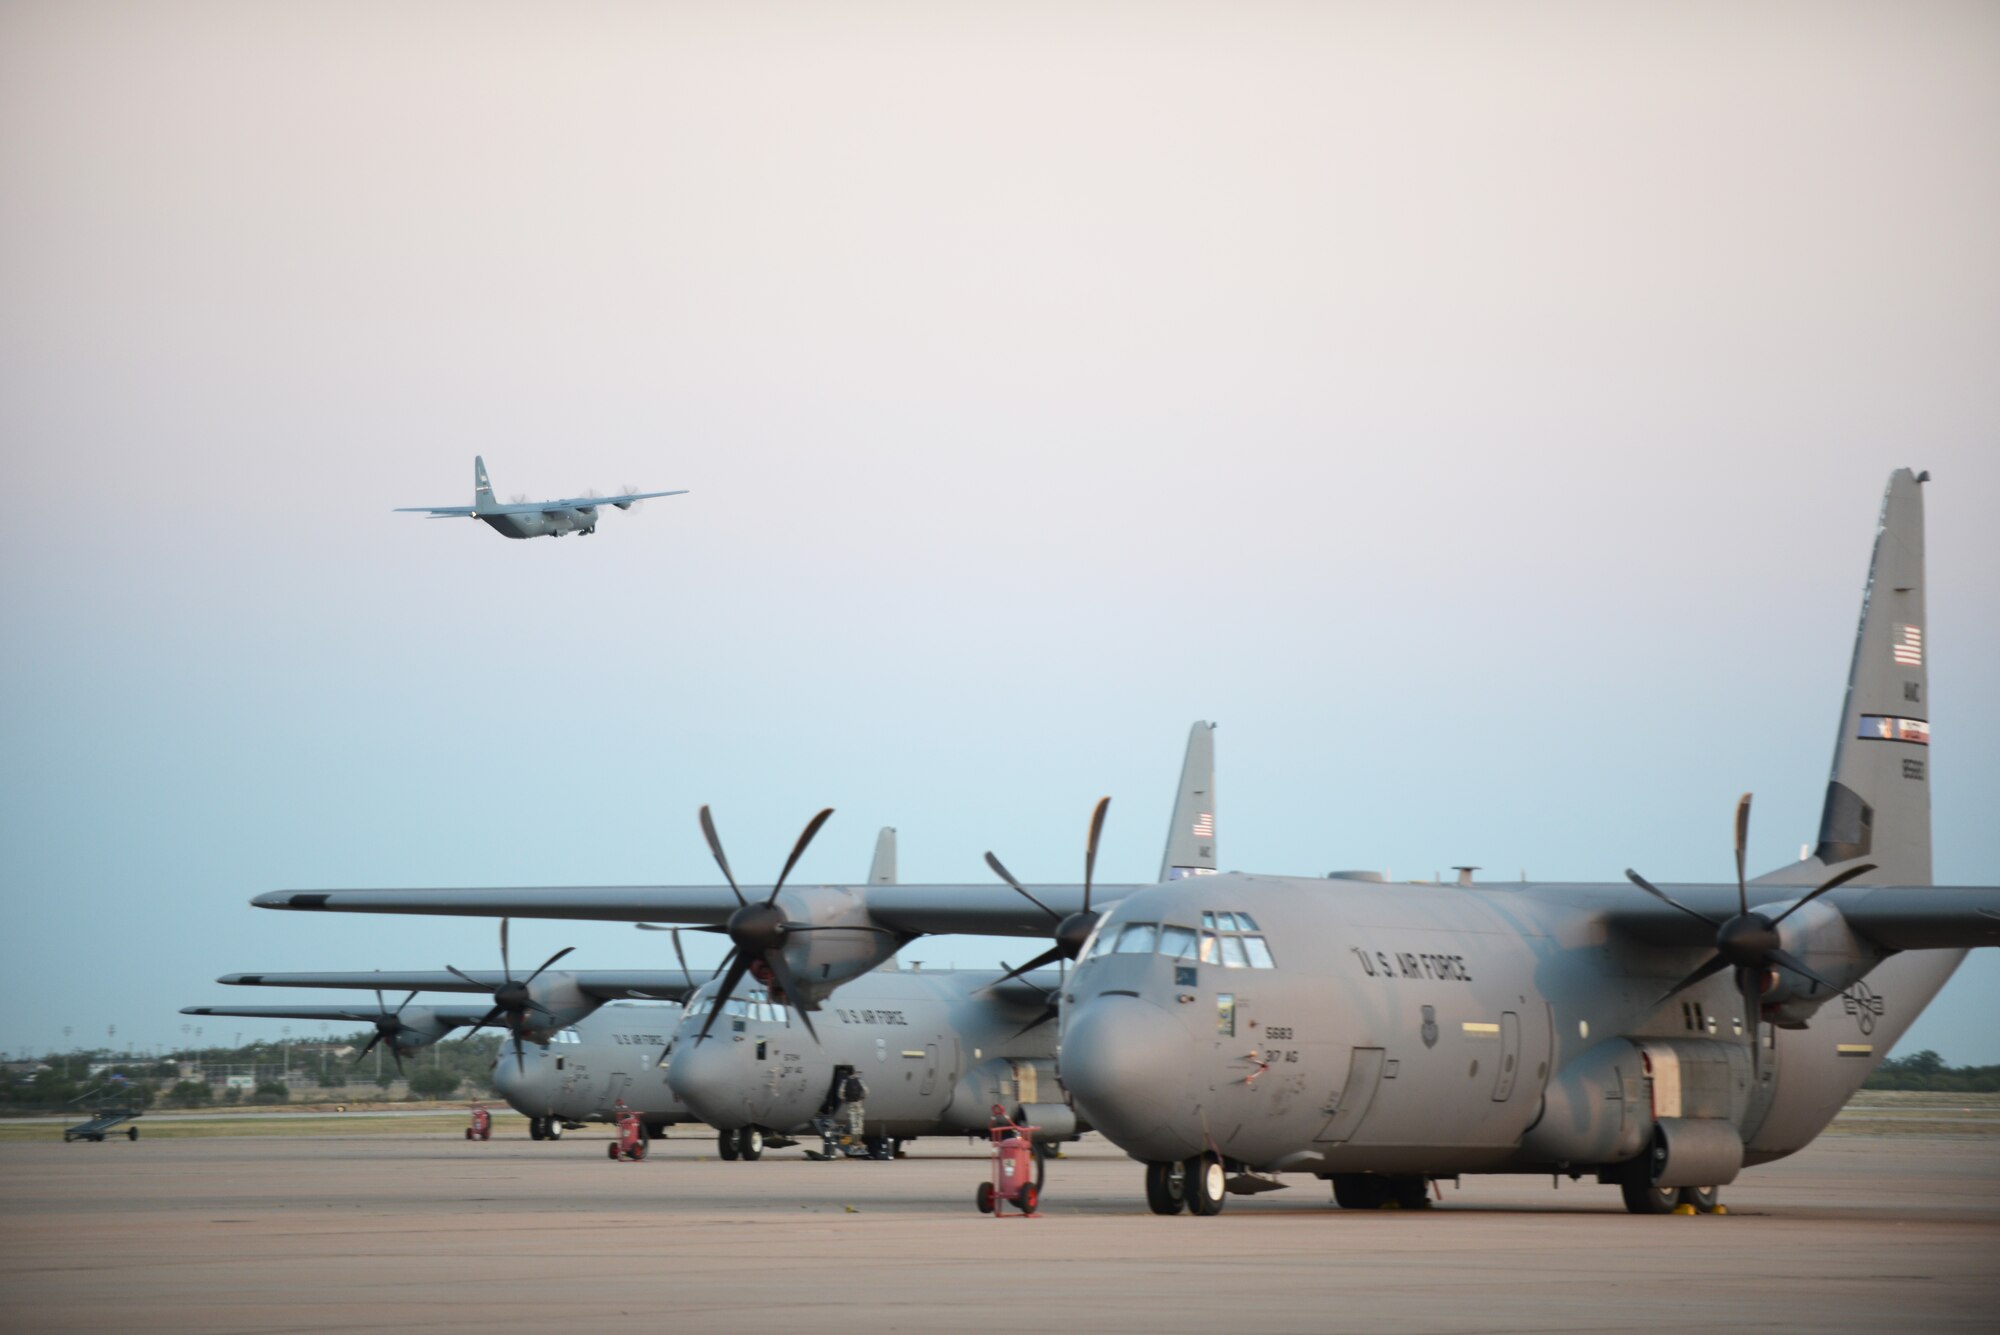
(482, 1124)
(1013, 1179)
(631, 1143)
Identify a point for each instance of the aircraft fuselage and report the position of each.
(1430, 1029)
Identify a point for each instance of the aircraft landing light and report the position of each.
(1481, 1028)
(1855, 1049)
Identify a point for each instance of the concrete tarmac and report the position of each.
(428, 1232)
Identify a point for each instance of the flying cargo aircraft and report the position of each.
(522, 518)
(1661, 1038)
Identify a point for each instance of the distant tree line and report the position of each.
(1927, 1070)
(453, 1067)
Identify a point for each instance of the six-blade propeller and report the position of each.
(512, 1000)
(1073, 931)
(388, 1024)
(1748, 942)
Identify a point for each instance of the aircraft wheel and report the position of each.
(534, 1128)
(1642, 1197)
(131, 1133)
(1704, 1199)
(611, 1151)
(552, 1128)
(1410, 1193)
(750, 1144)
(725, 1144)
(1166, 1187)
(878, 1147)
(896, 1150)
(985, 1198)
(638, 1150)
(468, 1133)
(1041, 1154)
(1031, 1196)
(1206, 1184)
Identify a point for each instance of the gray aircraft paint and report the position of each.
(419, 1026)
(882, 871)
(532, 519)
(1190, 849)
(566, 996)
(582, 1072)
(1415, 1029)
(1395, 1009)
(822, 961)
(935, 1050)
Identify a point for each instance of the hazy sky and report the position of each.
(1481, 410)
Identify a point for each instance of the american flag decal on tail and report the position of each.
(1908, 646)
(1204, 825)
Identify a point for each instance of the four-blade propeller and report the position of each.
(1072, 931)
(1748, 942)
(512, 1000)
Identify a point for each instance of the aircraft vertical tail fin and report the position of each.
(1878, 801)
(1190, 847)
(882, 871)
(482, 490)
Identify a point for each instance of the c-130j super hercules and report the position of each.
(522, 518)
(1226, 1029)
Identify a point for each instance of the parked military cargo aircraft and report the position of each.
(899, 1055)
(1233, 1028)
(522, 518)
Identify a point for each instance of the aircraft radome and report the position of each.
(522, 518)
(1227, 1030)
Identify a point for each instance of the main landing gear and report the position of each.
(1372, 1191)
(545, 1128)
(1645, 1198)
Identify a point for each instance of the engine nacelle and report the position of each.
(1819, 937)
(823, 960)
(1594, 1111)
(1025, 1087)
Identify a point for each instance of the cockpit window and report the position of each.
(1177, 943)
(753, 1007)
(1260, 954)
(1138, 938)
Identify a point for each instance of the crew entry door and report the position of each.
(1351, 1104)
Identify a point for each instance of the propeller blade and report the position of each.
(538, 1006)
(1008, 876)
(798, 851)
(1048, 1013)
(1753, 1010)
(1041, 961)
(1786, 960)
(681, 955)
(1742, 838)
(520, 1057)
(1716, 964)
(507, 971)
(1861, 869)
(396, 1057)
(1090, 848)
(370, 1048)
(793, 996)
(730, 978)
(460, 973)
(406, 1001)
(715, 847)
(547, 962)
(484, 1020)
(1665, 898)
(379, 1002)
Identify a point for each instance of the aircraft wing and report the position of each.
(602, 984)
(437, 511)
(585, 502)
(1896, 917)
(985, 909)
(363, 1014)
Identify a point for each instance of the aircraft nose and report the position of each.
(704, 1075)
(1129, 1065)
(528, 1090)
